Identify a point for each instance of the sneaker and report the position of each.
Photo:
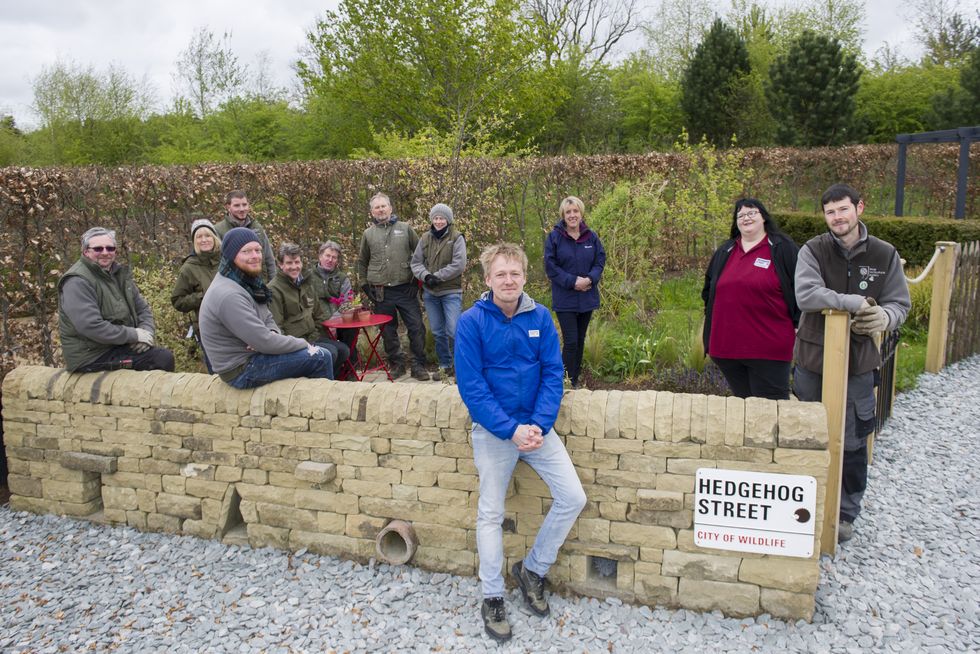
(495, 619)
(397, 370)
(845, 530)
(532, 587)
(420, 373)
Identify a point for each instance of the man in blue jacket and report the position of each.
(509, 372)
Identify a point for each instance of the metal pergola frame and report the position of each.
(964, 135)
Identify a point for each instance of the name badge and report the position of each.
(533, 333)
(762, 263)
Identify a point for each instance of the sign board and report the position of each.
(758, 512)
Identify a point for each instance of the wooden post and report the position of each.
(836, 354)
(942, 290)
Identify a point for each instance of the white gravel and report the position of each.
(909, 581)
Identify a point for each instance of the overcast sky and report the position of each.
(146, 36)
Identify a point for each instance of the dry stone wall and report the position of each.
(326, 465)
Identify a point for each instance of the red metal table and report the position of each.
(362, 326)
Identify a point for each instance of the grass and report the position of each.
(911, 361)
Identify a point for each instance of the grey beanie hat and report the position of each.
(441, 210)
(202, 222)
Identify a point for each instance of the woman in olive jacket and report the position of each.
(195, 275)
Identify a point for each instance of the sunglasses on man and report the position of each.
(99, 249)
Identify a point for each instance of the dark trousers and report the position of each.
(573, 326)
(347, 337)
(123, 356)
(402, 300)
(338, 350)
(859, 422)
(756, 377)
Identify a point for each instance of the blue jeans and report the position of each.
(264, 368)
(495, 460)
(443, 311)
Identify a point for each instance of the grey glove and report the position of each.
(144, 336)
(869, 319)
(139, 348)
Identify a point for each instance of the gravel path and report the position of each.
(909, 580)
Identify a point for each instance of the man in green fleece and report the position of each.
(295, 307)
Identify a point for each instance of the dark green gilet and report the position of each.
(863, 272)
(437, 253)
(115, 294)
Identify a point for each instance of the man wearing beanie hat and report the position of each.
(239, 214)
(438, 262)
(195, 275)
(241, 337)
(383, 268)
(104, 322)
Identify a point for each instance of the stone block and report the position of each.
(646, 414)
(454, 450)
(23, 485)
(316, 473)
(200, 529)
(802, 458)
(434, 464)
(366, 488)
(732, 599)
(802, 425)
(180, 506)
(700, 566)
(195, 471)
(119, 497)
(331, 523)
(265, 536)
(614, 511)
(672, 450)
(387, 475)
(761, 422)
(626, 533)
(410, 447)
(734, 421)
(787, 606)
(359, 443)
(458, 481)
(592, 530)
(597, 460)
(178, 415)
(205, 488)
(137, 520)
(596, 420)
(277, 515)
(69, 491)
(33, 504)
(793, 575)
(649, 465)
(664, 416)
(651, 587)
(735, 453)
(443, 496)
(678, 483)
(627, 446)
(277, 436)
(625, 478)
(167, 524)
(174, 455)
(419, 478)
(678, 519)
(659, 500)
(321, 500)
(363, 526)
(446, 560)
(25, 453)
(360, 459)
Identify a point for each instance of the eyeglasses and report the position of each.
(749, 214)
(99, 249)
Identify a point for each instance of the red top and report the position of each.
(375, 320)
(749, 319)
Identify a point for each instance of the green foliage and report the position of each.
(911, 362)
(917, 321)
(155, 284)
(812, 89)
(710, 84)
(403, 66)
(899, 100)
(649, 105)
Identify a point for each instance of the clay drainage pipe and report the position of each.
(396, 543)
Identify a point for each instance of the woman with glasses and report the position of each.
(750, 312)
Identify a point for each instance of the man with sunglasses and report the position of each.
(104, 322)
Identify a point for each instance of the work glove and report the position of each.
(144, 337)
(869, 319)
(431, 280)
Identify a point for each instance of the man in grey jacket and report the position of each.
(849, 270)
(246, 347)
(104, 322)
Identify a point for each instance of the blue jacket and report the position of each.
(565, 259)
(509, 370)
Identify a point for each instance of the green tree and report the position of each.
(208, 71)
(899, 101)
(12, 142)
(946, 33)
(710, 84)
(675, 32)
(649, 105)
(403, 65)
(812, 91)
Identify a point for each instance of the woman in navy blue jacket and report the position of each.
(573, 260)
